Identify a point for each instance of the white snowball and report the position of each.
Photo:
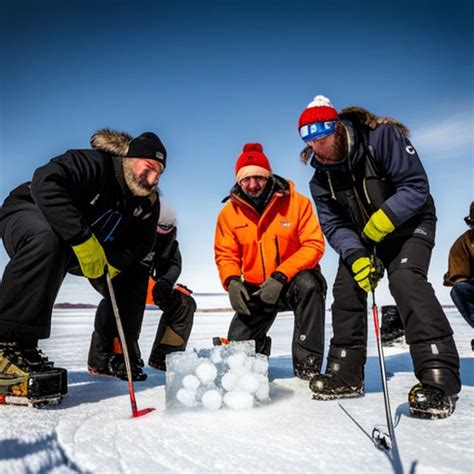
(248, 363)
(238, 400)
(249, 382)
(191, 382)
(206, 372)
(263, 392)
(229, 381)
(240, 371)
(236, 360)
(216, 356)
(212, 400)
(260, 365)
(187, 397)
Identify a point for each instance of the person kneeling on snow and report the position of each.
(460, 274)
(88, 212)
(174, 299)
(268, 245)
(372, 196)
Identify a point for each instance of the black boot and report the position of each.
(428, 401)
(307, 368)
(392, 327)
(106, 358)
(344, 377)
(27, 377)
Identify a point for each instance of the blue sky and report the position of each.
(211, 76)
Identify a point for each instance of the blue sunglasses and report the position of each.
(318, 130)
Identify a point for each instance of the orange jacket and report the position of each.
(287, 237)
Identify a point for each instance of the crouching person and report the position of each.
(174, 299)
(88, 212)
(268, 245)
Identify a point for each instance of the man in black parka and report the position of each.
(88, 212)
(375, 208)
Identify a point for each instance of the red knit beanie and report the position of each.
(318, 119)
(252, 162)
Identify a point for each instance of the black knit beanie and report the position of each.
(149, 146)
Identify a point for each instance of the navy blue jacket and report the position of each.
(383, 170)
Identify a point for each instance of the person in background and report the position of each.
(268, 245)
(375, 208)
(174, 299)
(460, 274)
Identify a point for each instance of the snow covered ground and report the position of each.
(91, 431)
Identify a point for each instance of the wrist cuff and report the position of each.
(350, 259)
(280, 277)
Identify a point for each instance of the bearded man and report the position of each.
(373, 200)
(86, 212)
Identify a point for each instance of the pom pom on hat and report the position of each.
(252, 162)
(318, 120)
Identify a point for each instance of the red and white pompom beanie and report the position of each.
(252, 162)
(318, 120)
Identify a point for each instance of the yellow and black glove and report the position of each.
(378, 227)
(92, 259)
(367, 273)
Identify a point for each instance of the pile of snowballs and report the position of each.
(232, 376)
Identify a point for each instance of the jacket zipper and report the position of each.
(263, 262)
(277, 252)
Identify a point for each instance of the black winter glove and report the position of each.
(271, 288)
(161, 291)
(238, 296)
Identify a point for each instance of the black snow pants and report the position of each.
(39, 261)
(174, 327)
(427, 329)
(305, 295)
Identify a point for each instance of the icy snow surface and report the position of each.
(91, 431)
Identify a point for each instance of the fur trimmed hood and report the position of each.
(111, 141)
(363, 116)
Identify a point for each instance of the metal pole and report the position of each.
(388, 412)
(135, 412)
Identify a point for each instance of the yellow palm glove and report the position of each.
(378, 227)
(365, 274)
(92, 259)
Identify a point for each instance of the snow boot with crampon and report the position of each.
(430, 402)
(344, 377)
(28, 378)
(436, 395)
(307, 368)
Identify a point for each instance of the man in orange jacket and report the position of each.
(268, 245)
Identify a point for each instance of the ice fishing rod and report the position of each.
(135, 412)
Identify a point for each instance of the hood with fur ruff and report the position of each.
(364, 117)
(111, 141)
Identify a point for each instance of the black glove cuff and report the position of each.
(280, 277)
(232, 278)
(350, 259)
